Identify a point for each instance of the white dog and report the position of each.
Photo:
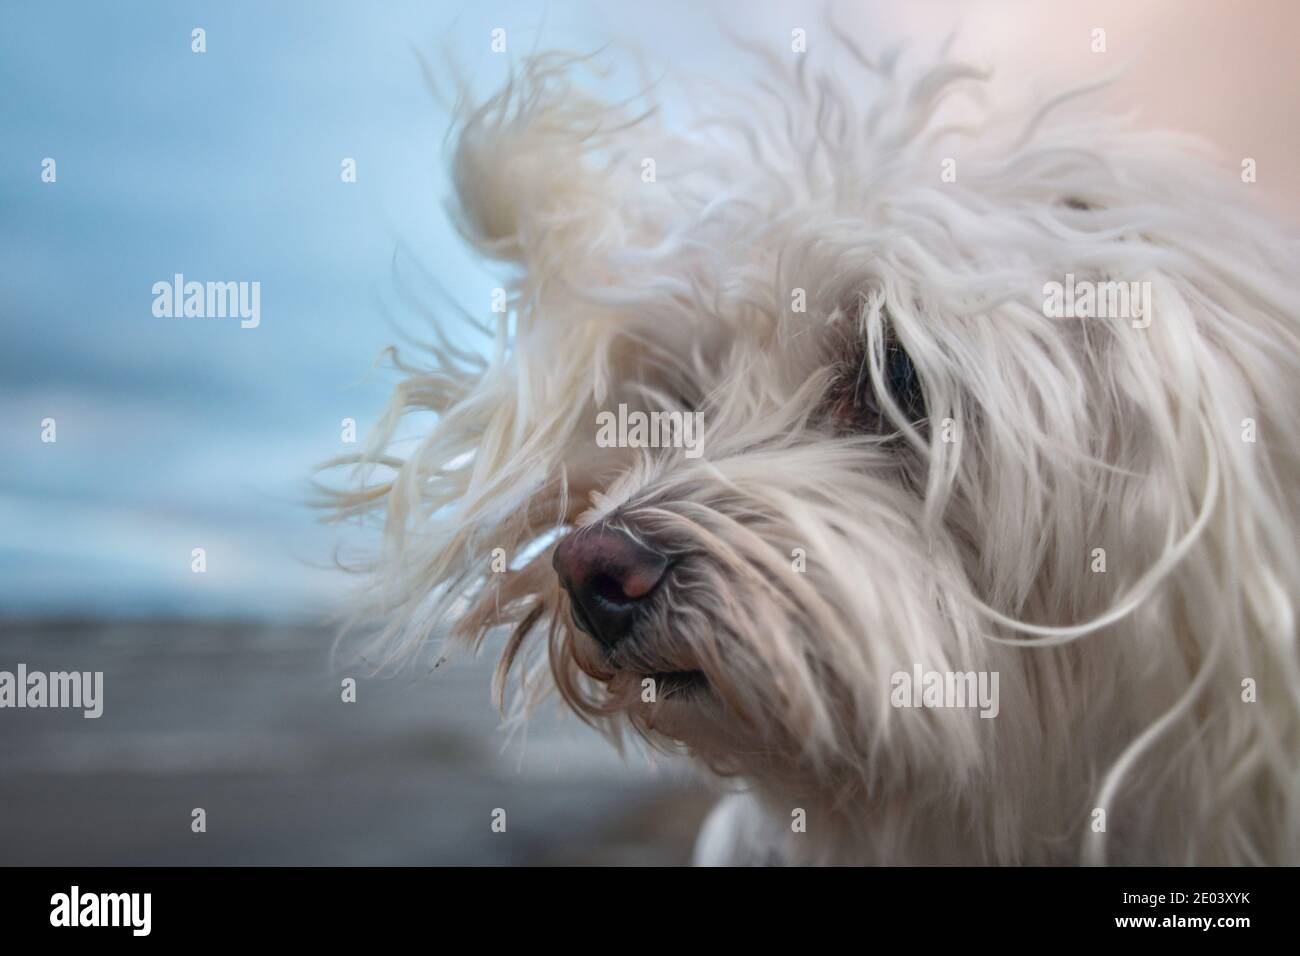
(985, 550)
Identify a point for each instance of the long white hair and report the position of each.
(1102, 508)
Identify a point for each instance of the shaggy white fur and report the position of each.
(826, 538)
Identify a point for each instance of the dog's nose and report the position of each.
(607, 573)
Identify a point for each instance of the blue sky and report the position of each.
(182, 433)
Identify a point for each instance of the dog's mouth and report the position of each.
(642, 689)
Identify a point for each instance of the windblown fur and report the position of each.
(964, 541)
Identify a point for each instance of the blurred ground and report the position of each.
(246, 721)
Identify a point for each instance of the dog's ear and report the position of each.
(528, 169)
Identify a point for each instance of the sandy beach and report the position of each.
(246, 722)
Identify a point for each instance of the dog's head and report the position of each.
(809, 397)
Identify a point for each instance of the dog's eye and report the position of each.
(853, 401)
(903, 383)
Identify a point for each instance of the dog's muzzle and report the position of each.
(608, 575)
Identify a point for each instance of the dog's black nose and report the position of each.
(607, 574)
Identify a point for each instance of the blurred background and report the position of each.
(175, 434)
